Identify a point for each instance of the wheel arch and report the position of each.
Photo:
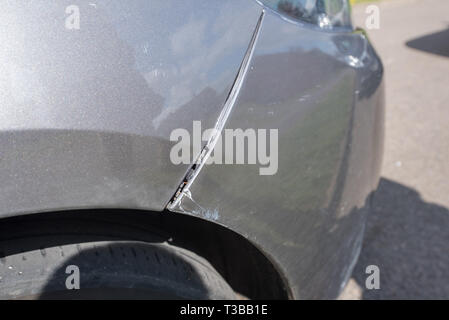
(244, 266)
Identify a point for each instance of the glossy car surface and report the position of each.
(86, 117)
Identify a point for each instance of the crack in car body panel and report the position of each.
(192, 173)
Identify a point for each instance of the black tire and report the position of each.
(112, 269)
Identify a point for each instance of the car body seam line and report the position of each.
(194, 170)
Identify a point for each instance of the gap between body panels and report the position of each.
(192, 173)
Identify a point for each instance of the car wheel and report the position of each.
(113, 269)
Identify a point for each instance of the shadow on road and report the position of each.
(436, 43)
(408, 239)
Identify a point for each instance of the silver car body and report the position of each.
(86, 117)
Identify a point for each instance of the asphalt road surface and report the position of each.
(407, 235)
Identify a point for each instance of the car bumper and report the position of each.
(323, 92)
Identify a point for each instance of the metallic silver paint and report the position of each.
(324, 92)
(85, 118)
(86, 115)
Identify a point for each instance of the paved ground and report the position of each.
(408, 232)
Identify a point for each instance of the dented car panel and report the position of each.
(86, 117)
(324, 93)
